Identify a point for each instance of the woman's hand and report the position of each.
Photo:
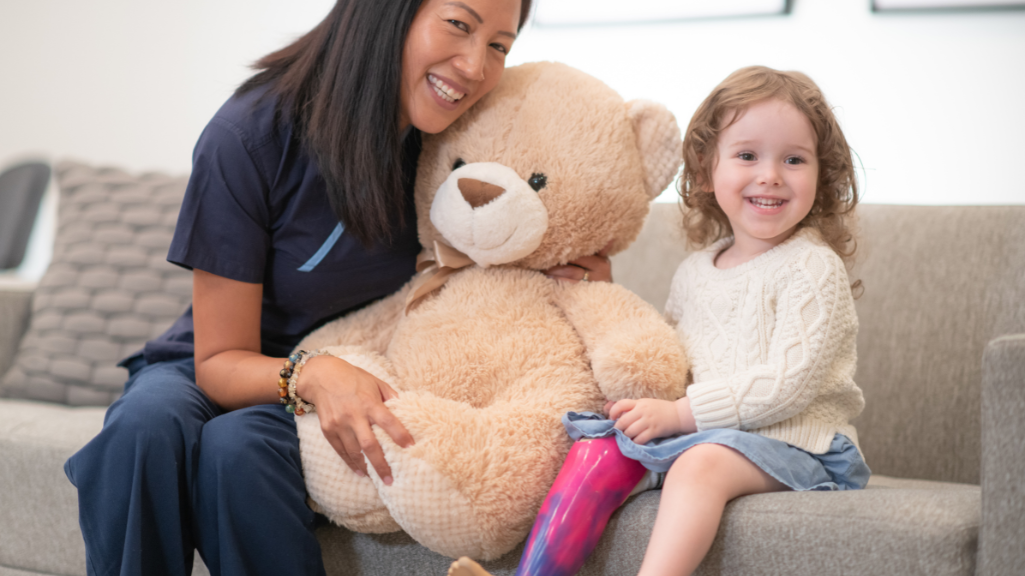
(594, 268)
(348, 400)
(645, 419)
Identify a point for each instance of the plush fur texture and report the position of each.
(487, 364)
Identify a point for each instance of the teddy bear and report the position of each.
(486, 352)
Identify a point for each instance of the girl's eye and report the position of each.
(746, 156)
(794, 160)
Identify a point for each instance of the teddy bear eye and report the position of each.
(537, 181)
(458, 164)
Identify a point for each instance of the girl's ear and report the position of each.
(659, 141)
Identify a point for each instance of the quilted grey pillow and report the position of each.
(109, 287)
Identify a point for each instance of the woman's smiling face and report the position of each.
(454, 54)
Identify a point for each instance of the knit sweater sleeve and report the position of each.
(814, 329)
(676, 289)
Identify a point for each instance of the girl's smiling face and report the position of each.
(454, 54)
(766, 174)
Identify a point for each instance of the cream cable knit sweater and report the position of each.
(771, 341)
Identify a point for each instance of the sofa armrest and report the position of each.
(1003, 457)
(15, 309)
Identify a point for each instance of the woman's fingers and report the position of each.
(593, 268)
(387, 392)
(372, 450)
(347, 446)
(384, 418)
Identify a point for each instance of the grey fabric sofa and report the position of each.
(941, 362)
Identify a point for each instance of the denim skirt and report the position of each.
(839, 468)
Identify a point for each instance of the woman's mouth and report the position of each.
(443, 90)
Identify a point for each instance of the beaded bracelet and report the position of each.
(289, 375)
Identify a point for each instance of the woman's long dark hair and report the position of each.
(339, 84)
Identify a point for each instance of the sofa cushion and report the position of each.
(108, 289)
(894, 527)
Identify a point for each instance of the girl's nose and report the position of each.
(770, 177)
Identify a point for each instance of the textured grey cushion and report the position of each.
(108, 288)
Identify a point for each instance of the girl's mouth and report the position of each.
(767, 203)
(443, 90)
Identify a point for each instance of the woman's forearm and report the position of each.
(238, 378)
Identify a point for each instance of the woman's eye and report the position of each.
(500, 48)
(459, 163)
(746, 156)
(537, 181)
(461, 25)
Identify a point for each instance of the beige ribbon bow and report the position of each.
(434, 270)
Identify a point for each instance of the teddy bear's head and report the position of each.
(550, 166)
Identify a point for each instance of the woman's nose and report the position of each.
(471, 62)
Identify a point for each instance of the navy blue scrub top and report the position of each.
(256, 210)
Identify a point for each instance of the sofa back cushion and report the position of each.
(108, 288)
(939, 283)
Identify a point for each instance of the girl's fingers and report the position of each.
(627, 419)
(620, 408)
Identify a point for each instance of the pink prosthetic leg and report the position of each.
(594, 481)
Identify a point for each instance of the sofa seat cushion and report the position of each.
(895, 526)
(38, 505)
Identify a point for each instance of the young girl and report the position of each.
(767, 315)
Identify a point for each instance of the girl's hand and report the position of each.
(645, 419)
(594, 268)
(348, 401)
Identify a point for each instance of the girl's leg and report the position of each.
(696, 489)
(250, 500)
(134, 478)
(594, 481)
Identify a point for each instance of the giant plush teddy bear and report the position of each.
(486, 352)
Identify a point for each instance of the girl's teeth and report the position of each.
(766, 203)
(444, 90)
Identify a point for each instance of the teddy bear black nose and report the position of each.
(479, 193)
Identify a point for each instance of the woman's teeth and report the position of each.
(446, 92)
(765, 202)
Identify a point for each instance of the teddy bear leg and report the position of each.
(594, 481)
(334, 489)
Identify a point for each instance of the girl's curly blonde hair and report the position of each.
(836, 193)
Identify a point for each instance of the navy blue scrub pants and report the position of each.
(171, 473)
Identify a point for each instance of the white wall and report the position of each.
(932, 102)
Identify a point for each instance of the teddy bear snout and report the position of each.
(477, 192)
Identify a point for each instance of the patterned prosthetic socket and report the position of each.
(594, 481)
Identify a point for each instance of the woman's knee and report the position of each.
(246, 441)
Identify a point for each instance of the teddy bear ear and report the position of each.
(659, 141)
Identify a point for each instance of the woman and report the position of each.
(298, 210)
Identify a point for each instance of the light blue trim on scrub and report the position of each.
(328, 244)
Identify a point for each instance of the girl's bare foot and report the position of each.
(466, 567)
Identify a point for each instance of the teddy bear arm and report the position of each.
(633, 352)
(371, 327)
